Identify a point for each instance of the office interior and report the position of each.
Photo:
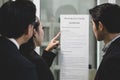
(49, 12)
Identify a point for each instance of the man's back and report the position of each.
(110, 66)
(13, 66)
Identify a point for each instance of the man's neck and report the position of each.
(110, 37)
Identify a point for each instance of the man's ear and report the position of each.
(34, 33)
(29, 30)
(101, 26)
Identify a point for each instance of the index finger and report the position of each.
(58, 34)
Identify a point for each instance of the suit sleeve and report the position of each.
(109, 69)
(48, 57)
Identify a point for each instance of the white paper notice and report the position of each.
(111, 1)
(74, 47)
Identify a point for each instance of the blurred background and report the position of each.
(49, 12)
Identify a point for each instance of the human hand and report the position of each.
(53, 43)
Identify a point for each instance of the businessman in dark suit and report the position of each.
(106, 27)
(16, 27)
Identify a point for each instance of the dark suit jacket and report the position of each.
(42, 63)
(14, 66)
(110, 66)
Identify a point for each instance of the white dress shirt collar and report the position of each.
(15, 42)
(109, 43)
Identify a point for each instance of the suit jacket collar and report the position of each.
(112, 46)
(7, 41)
(15, 42)
(109, 43)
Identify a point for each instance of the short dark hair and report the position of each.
(36, 24)
(109, 15)
(15, 16)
